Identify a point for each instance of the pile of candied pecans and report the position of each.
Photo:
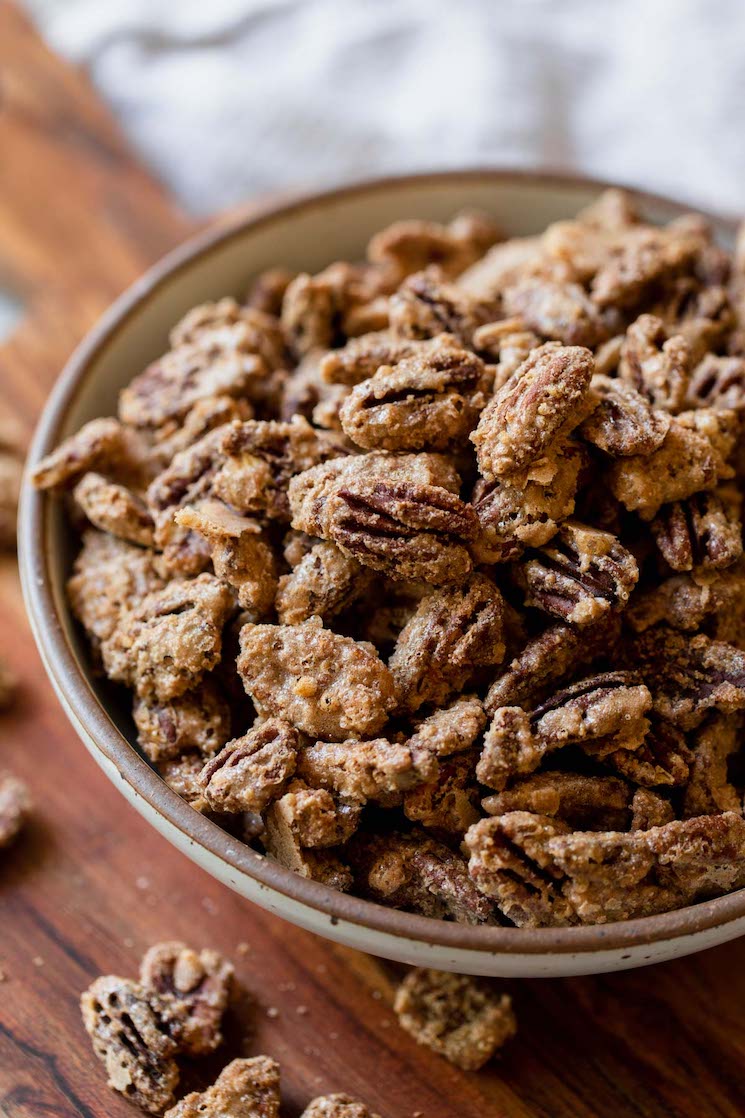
(426, 572)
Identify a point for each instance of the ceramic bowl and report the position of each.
(304, 234)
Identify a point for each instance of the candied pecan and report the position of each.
(100, 444)
(692, 457)
(504, 265)
(243, 1089)
(428, 401)
(367, 770)
(718, 382)
(306, 394)
(624, 423)
(337, 1106)
(601, 713)
(454, 632)
(252, 771)
(193, 989)
(311, 313)
(15, 805)
(198, 719)
(225, 325)
(545, 398)
(109, 577)
(650, 809)
(361, 357)
(241, 555)
(658, 367)
(324, 684)
(457, 1016)
(446, 804)
(509, 343)
(556, 311)
(182, 775)
(219, 364)
(689, 676)
(509, 861)
(526, 511)
(584, 802)
(580, 575)
(179, 434)
(282, 842)
(639, 259)
(703, 530)
(260, 457)
(323, 583)
(663, 758)
(425, 305)
(316, 817)
(268, 289)
(451, 729)
(709, 789)
(703, 315)
(704, 598)
(188, 478)
(165, 643)
(129, 1030)
(548, 659)
(408, 246)
(114, 508)
(418, 874)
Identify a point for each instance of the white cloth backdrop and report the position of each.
(227, 98)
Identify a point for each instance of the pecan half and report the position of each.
(580, 575)
(408, 246)
(100, 444)
(283, 842)
(446, 804)
(709, 789)
(428, 401)
(251, 771)
(704, 530)
(193, 988)
(315, 816)
(556, 311)
(718, 382)
(658, 367)
(455, 631)
(642, 257)
(584, 802)
(624, 423)
(547, 397)
(425, 305)
(662, 759)
(451, 729)
(244, 1087)
(114, 508)
(198, 719)
(324, 583)
(367, 770)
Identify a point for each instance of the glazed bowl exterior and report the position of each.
(304, 234)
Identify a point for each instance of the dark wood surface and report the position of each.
(89, 885)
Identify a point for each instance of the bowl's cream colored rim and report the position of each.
(61, 663)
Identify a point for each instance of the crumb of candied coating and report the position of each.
(165, 643)
(252, 771)
(246, 1088)
(545, 399)
(457, 1016)
(109, 577)
(100, 444)
(366, 770)
(324, 583)
(337, 1106)
(129, 1031)
(199, 719)
(194, 987)
(15, 807)
(416, 873)
(454, 632)
(114, 508)
(326, 685)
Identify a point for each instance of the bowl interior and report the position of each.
(303, 235)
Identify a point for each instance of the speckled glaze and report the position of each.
(305, 234)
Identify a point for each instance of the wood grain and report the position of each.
(90, 885)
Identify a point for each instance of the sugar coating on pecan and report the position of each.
(129, 1030)
(15, 807)
(182, 775)
(337, 1106)
(705, 530)
(718, 382)
(451, 729)
(101, 443)
(454, 632)
(325, 684)
(556, 311)
(282, 842)
(361, 357)
(585, 802)
(316, 817)
(252, 771)
(198, 719)
(525, 510)
(241, 555)
(164, 645)
(246, 1088)
(709, 789)
(447, 804)
(657, 366)
(417, 873)
(661, 760)
(643, 257)
(114, 508)
(458, 1017)
(324, 583)
(412, 244)
(109, 577)
(193, 989)
(624, 423)
(546, 398)
(425, 402)
(426, 305)
(268, 288)
(367, 770)
(580, 575)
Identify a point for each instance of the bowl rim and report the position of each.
(89, 712)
